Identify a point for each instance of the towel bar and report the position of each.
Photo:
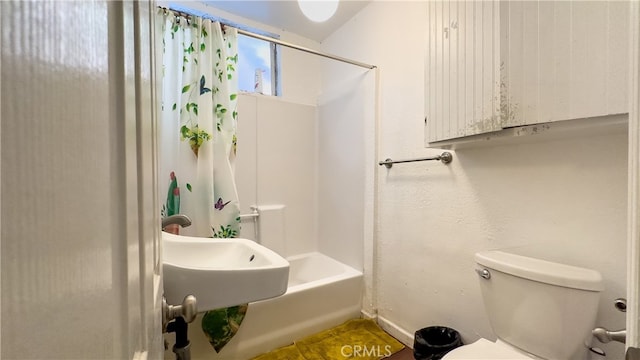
(445, 158)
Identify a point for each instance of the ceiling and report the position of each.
(286, 15)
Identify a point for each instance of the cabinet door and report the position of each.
(563, 59)
(462, 71)
(497, 64)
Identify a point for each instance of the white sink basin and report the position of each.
(220, 272)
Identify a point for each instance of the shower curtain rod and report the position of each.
(302, 48)
(280, 42)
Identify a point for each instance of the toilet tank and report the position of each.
(544, 308)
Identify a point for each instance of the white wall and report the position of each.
(345, 172)
(560, 200)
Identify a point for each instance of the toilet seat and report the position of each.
(484, 349)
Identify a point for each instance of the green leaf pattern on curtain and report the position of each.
(198, 137)
(220, 325)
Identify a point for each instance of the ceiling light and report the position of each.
(318, 10)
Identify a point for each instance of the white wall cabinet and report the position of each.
(496, 64)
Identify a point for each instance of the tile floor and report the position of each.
(404, 354)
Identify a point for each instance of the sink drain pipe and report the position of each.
(182, 347)
(175, 319)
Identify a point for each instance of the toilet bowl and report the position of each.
(537, 309)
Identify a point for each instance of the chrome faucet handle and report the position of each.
(187, 310)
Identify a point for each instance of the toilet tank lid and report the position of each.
(541, 270)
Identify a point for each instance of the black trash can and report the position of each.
(433, 342)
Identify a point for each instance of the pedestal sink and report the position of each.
(221, 272)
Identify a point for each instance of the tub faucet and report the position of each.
(180, 219)
(604, 336)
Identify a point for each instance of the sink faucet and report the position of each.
(180, 219)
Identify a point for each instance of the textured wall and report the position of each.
(562, 200)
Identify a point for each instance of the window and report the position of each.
(258, 66)
(258, 59)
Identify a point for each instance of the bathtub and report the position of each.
(321, 293)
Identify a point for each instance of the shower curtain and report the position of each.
(197, 138)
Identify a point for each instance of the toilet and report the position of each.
(537, 309)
